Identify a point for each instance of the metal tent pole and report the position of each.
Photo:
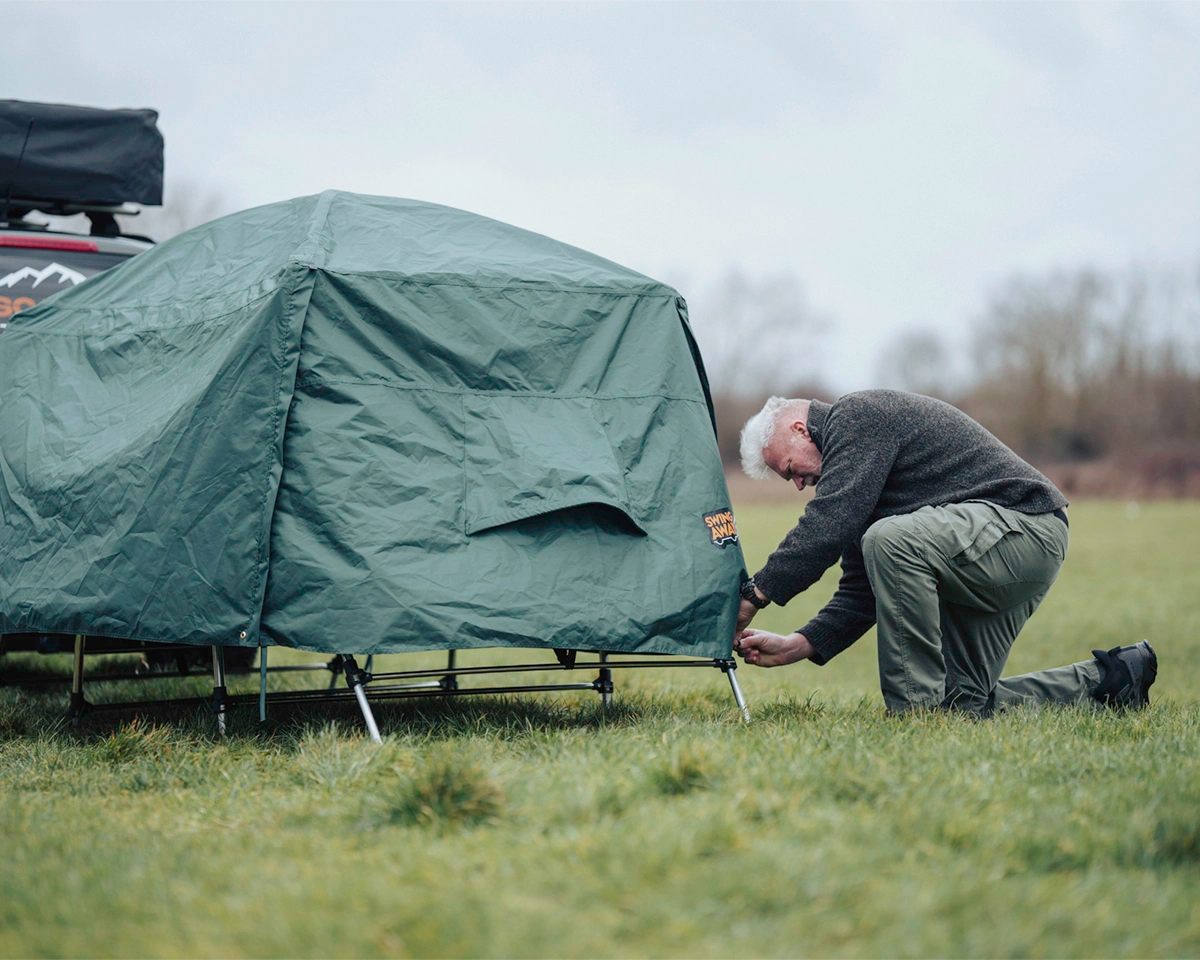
(450, 680)
(219, 693)
(262, 684)
(729, 668)
(78, 704)
(355, 678)
(604, 682)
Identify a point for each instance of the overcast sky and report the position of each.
(900, 160)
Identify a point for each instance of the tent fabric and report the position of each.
(54, 151)
(363, 424)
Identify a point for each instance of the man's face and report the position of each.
(793, 455)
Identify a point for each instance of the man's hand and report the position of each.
(770, 649)
(746, 613)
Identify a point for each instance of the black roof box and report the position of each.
(79, 155)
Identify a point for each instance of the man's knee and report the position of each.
(888, 539)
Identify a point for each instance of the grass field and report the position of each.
(542, 826)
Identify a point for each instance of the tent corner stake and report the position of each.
(729, 668)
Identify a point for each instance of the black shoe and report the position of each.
(1129, 673)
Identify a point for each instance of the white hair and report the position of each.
(758, 433)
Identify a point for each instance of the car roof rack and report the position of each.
(102, 215)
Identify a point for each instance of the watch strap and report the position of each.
(747, 592)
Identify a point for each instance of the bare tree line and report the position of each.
(1094, 376)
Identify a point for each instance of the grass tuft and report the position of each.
(688, 768)
(333, 758)
(132, 740)
(1176, 839)
(15, 723)
(447, 793)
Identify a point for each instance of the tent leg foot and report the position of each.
(262, 684)
(78, 705)
(729, 668)
(604, 683)
(218, 698)
(355, 678)
(450, 681)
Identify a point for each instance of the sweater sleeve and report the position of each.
(849, 613)
(857, 455)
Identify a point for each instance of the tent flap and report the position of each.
(529, 455)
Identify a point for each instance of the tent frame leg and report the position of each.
(356, 678)
(78, 705)
(450, 680)
(335, 667)
(220, 694)
(729, 668)
(604, 683)
(262, 684)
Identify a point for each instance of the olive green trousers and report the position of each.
(953, 587)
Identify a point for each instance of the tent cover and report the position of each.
(369, 425)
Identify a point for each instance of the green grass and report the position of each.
(543, 826)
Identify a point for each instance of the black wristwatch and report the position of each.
(747, 592)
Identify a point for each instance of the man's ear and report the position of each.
(800, 427)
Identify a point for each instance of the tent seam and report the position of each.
(423, 280)
(262, 535)
(319, 219)
(56, 628)
(450, 391)
(170, 326)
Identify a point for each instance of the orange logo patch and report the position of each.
(721, 527)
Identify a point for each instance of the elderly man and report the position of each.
(948, 542)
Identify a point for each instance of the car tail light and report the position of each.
(50, 243)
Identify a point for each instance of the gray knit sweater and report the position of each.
(885, 453)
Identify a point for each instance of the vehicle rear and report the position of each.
(36, 263)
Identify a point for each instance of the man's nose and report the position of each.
(799, 482)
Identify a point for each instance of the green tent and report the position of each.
(362, 424)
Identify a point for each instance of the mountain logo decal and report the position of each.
(65, 275)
